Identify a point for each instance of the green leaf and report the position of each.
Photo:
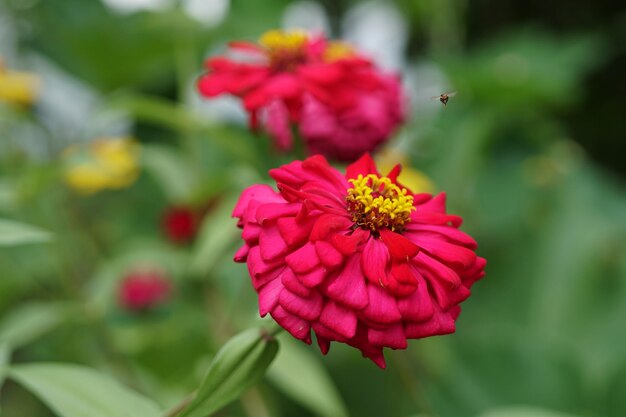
(527, 65)
(30, 321)
(77, 391)
(524, 411)
(311, 386)
(14, 233)
(238, 365)
(218, 233)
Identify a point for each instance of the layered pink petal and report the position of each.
(271, 243)
(313, 278)
(299, 328)
(339, 318)
(307, 308)
(304, 259)
(375, 260)
(268, 296)
(348, 287)
(382, 307)
(400, 248)
(330, 257)
(293, 284)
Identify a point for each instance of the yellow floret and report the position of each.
(377, 202)
(338, 50)
(280, 40)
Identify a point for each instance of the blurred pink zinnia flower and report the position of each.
(358, 259)
(143, 290)
(343, 134)
(342, 103)
(180, 223)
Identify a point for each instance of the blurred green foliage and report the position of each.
(542, 335)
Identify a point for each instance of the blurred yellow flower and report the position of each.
(18, 87)
(416, 180)
(106, 163)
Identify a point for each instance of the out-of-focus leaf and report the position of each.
(238, 365)
(170, 170)
(31, 321)
(77, 391)
(14, 233)
(523, 411)
(91, 39)
(311, 385)
(218, 233)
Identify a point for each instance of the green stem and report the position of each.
(275, 331)
(185, 61)
(299, 148)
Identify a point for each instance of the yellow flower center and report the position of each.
(280, 40)
(376, 202)
(338, 50)
(285, 49)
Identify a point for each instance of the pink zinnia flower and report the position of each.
(143, 290)
(343, 104)
(358, 259)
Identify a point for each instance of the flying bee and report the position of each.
(444, 97)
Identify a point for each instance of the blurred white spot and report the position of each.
(227, 109)
(131, 6)
(511, 69)
(307, 15)
(7, 36)
(26, 136)
(222, 108)
(379, 30)
(208, 12)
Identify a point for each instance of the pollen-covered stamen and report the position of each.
(376, 202)
(285, 49)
